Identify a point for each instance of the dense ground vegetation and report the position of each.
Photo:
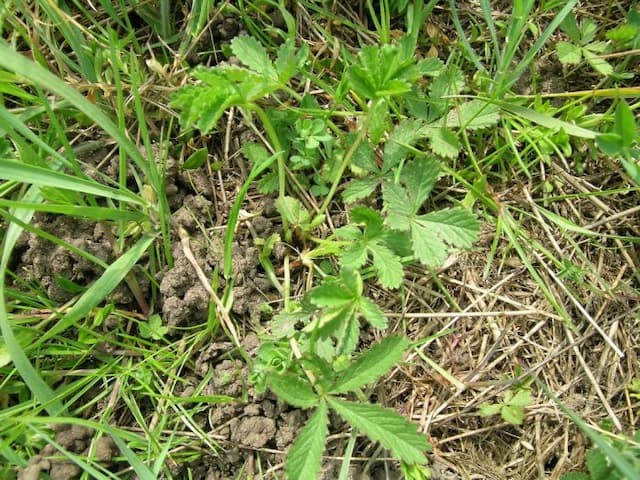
(269, 239)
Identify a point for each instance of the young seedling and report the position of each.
(583, 45)
(511, 408)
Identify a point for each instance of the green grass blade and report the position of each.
(235, 211)
(473, 56)
(92, 213)
(538, 44)
(546, 120)
(14, 62)
(620, 462)
(22, 172)
(40, 390)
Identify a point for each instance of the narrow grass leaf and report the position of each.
(262, 162)
(93, 213)
(371, 364)
(293, 390)
(305, 457)
(109, 280)
(382, 425)
(541, 40)
(22, 172)
(617, 458)
(547, 120)
(40, 390)
(17, 63)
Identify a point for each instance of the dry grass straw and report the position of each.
(506, 330)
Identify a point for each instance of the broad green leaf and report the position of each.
(568, 53)
(370, 218)
(354, 256)
(293, 390)
(292, 210)
(387, 264)
(610, 143)
(372, 313)
(286, 62)
(378, 120)
(597, 464)
(447, 84)
(44, 177)
(473, 115)
(364, 158)
(419, 176)
(397, 206)
(625, 124)
(371, 364)
(385, 426)
(513, 414)
(429, 67)
(196, 159)
(348, 337)
(430, 233)
(394, 87)
(403, 136)
(305, 456)
(284, 323)
(588, 31)
(569, 25)
(575, 476)
(359, 188)
(522, 398)
(488, 409)
(599, 64)
(443, 142)
(253, 54)
(330, 293)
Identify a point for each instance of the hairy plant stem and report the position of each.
(345, 163)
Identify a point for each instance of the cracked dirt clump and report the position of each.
(52, 265)
(184, 298)
(75, 439)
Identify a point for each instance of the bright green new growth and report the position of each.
(511, 408)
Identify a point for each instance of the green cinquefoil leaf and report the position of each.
(372, 313)
(431, 233)
(253, 54)
(305, 457)
(371, 364)
(293, 390)
(392, 430)
(473, 115)
(568, 53)
(373, 240)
